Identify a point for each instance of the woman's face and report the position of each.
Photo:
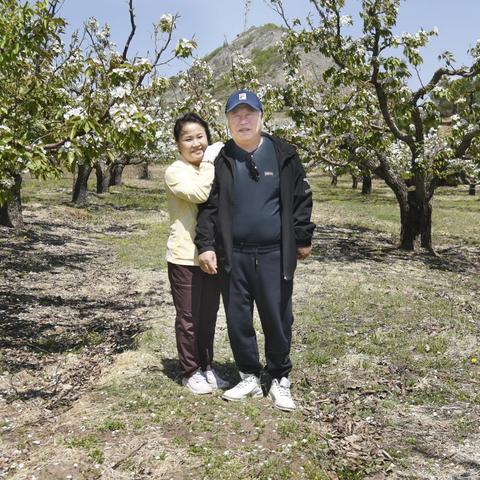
(192, 142)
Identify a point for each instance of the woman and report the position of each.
(196, 295)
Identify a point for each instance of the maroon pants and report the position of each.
(196, 296)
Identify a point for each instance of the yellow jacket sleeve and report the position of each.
(188, 182)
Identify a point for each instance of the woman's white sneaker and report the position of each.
(215, 380)
(281, 395)
(197, 383)
(249, 386)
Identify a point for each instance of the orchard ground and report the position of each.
(385, 348)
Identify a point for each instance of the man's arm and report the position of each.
(302, 211)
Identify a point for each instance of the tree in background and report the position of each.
(61, 107)
(197, 86)
(366, 113)
(34, 71)
(121, 99)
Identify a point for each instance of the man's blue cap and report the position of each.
(243, 97)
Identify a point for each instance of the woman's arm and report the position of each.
(188, 184)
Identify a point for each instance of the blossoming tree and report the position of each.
(366, 114)
(61, 106)
(120, 100)
(33, 73)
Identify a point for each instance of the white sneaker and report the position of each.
(249, 386)
(197, 383)
(215, 380)
(281, 396)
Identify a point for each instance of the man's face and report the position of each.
(245, 125)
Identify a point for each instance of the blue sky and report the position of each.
(212, 22)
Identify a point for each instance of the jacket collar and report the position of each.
(283, 149)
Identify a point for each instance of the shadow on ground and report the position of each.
(356, 244)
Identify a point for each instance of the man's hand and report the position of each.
(208, 262)
(303, 252)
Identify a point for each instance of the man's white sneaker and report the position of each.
(197, 383)
(280, 394)
(249, 386)
(215, 380)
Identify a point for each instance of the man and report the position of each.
(256, 223)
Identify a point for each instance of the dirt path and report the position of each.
(65, 310)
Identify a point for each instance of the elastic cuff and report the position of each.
(205, 249)
(303, 244)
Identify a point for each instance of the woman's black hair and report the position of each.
(190, 117)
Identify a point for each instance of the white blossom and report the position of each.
(78, 112)
(121, 92)
(345, 20)
(142, 61)
(166, 22)
(7, 182)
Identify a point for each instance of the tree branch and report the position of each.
(466, 142)
(437, 76)
(278, 7)
(418, 123)
(159, 53)
(132, 31)
(54, 146)
(382, 97)
(54, 6)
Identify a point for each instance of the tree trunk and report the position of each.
(334, 180)
(79, 195)
(103, 176)
(366, 184)
(116, 170)
(472, 189)
(416, 220)
(11, 211)
(415, 210)
(354, 182)
(144, 173)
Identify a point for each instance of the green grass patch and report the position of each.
(455, 213)
(265, 59)
(145, 250)
(112, 426)
(89, 444)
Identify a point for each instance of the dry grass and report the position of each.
(384, 351)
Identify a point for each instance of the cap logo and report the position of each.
(242, 96)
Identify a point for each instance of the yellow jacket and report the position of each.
(186, 187)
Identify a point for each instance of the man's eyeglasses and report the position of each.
(253, 172)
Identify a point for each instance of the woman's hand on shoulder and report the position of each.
(212, 152)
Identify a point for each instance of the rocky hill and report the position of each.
(260, 45)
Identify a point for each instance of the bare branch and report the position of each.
(160, 52)
(317, 7)
(54, 6)
(94, 44)
(132, 31)
(55, 146)
(278, 8)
